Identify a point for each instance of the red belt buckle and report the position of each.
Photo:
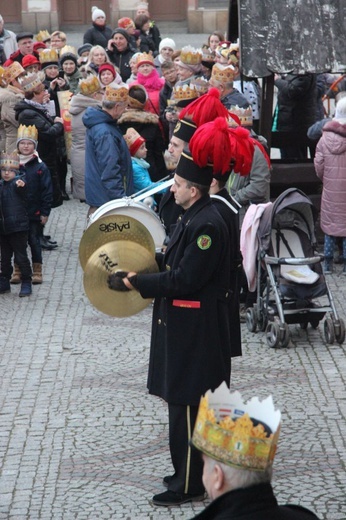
(189, 304)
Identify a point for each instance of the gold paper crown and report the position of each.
(48, 56)
(223, 73)
(42, 36)
(144, 57)
(190, 56)
(225, 429)
(244, 114)
(13, 71)
(184, 92)
(9, 161)
(32, 81)
(116, 94)
(2, 80)
(89, 85)
(27, 132)
(200, 84)
(68, 49)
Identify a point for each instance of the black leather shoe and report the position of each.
(47, 245)
(170, 498)
(64, 196)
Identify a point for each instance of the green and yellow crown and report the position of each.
(89, 85)
(9, 161)
(27, 132)
(242, 435)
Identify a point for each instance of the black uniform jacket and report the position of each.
(190, 343)
(231, 220)
(253, 503)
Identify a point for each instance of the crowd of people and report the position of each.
(114, 109)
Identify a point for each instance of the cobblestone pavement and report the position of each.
(80, 438)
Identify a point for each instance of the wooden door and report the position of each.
(168, 10)
(78, 12)
(11, 11)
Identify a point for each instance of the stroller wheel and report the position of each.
(251, 319)
(339, 328)
(273, 334)
(329, 332)
(285, 335)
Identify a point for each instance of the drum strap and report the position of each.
(225, 202)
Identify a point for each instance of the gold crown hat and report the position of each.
(223, 73)
(191, 56)
(117, 94)
(144, 58)
(13, 72)
(242, 435)
(42, 36)
(244, 115)
(48, 57)
(29, 133)
(2, 80)
(184, 92)
(200, 84)
(31, 81)
(133, 140)
(9, 161)
(67, 49)
(89, 85)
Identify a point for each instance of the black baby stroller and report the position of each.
(289, 273)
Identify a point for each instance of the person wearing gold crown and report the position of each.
(108, 167)
(14, 224)
(40, 197)
(222, 77)
(9, 97)
(190, 344)
(238, 442)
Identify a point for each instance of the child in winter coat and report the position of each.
(138, 151)
(330, 166)
(40, 197)
(14, 224)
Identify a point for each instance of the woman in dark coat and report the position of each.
(120, 52)
(33, 111)
(99, 33)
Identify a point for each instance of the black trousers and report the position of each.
(187, 461)
(15, 243)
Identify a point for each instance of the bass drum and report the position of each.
(137, 210)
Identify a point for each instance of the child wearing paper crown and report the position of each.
(138, 151)
(40, 196)
(14, 224)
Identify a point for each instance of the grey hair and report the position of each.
(241, 478)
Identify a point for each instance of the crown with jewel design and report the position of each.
(184, 92)
(13, 72)
(200, 84)
(244, 114)
(116, 94)
(27, 132)
(242, 435)
(9, 161)
(48, 56)
(191, 56)
(223, 73)
(31, 81)
(67, 49)
(143, 58)
(42, 36)
(89, 85)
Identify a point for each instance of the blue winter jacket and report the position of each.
(40, 188)
(13, 207)
(108, 166)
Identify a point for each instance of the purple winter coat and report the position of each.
(330, 166)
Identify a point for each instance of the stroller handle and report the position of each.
(293, 261)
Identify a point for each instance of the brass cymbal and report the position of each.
(121, 255)
(112, 228)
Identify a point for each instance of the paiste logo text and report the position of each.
(114, 226)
